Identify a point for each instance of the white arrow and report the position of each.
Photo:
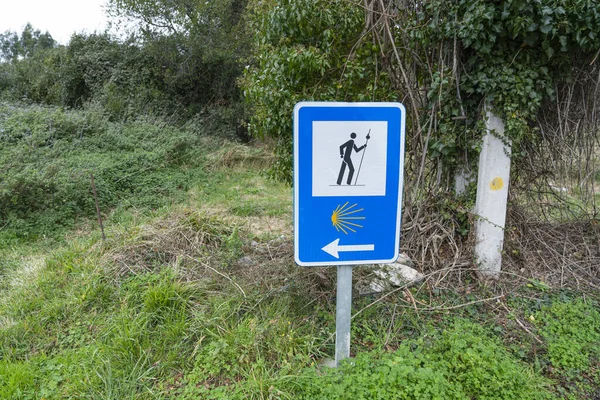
(333, 248)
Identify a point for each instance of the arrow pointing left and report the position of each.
(334, 248)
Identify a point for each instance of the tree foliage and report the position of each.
(445, 60)
(309, 50)
(14, 46)
(92, 67)
(201, 44)
(511, 54)
(182, 55)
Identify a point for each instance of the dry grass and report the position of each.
(268, 226)
(192, 240)
(564, 255)
(195, 245)
(30, 268)
(167, 241)
(236, 155)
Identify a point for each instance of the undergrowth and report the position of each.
(47, 155)
(463, 362)
(79, 329)
(165, 307)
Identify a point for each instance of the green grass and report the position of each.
(163, 309)
(80, 330)
(47, 156)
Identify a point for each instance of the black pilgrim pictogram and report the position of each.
(346, 154)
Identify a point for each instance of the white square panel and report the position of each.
(335, 154)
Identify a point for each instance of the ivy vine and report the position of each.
(462, 54)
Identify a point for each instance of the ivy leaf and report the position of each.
(532, 39)
(563, 43)
(548, 49)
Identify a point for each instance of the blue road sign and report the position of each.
(348, 171)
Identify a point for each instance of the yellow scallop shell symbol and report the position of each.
(497, 184)
(344, 218)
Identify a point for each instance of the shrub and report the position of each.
(48, 154)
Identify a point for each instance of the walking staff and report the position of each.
(363, 157)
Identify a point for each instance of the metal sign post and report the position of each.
(343, 215)
(343, 312)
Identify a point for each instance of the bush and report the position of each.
(308, 50)
(127, 78)
(48, 155)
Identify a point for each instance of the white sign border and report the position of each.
(297, 108)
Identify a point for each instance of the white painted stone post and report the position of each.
(492, 194)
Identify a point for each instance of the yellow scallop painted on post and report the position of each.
(497, 184)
